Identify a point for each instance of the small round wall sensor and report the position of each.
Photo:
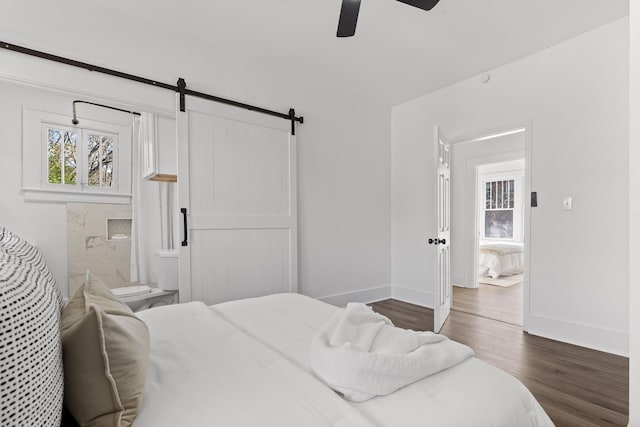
(485, 78)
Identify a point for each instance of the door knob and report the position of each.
(437, 241)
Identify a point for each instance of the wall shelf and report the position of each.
(118, 229)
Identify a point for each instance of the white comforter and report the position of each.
(205, 372)
(472, 393)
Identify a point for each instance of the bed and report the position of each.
(256, 355)
(472, 393)
(241, 363)
(501, 259)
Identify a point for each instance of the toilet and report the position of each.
(167, 269)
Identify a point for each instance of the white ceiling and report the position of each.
(398, 53)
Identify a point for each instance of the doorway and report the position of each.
(489, 217)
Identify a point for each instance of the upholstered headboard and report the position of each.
(31, 374)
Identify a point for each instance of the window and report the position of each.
(100, 154)
(499, 209)
(90, 162)
(61, 156)
(79, 157)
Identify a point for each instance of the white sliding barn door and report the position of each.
(237, 182)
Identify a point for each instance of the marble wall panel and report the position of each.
(89, 249)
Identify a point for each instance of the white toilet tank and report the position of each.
(167, 269)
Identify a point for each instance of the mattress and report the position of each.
(204, 371)
(501, 259)
(472, 393)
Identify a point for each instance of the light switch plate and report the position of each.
(567, 203)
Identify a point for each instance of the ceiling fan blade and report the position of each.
(421, 4)
(348, 18)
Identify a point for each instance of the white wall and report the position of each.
(343, 147)
(42, 224)
(634, 232)
(515, 166)
(576, 96)
(466, 157)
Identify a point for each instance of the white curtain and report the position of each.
(153, 206)
(145, 221)
(168, 210)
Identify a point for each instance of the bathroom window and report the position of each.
(61, 156)
(80, 157)
(100, 156)
(89, 163)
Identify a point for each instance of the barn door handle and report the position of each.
(184, 224)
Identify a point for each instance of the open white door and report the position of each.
(237, 195)
(442, 295)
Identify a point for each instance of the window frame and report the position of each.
(517, 209)
(498, 184)
(35, 182)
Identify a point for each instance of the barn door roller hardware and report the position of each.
(180, 87)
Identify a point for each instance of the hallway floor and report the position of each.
(493, 302)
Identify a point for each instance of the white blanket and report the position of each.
(471, 394)
(205, 372)
(360, 354)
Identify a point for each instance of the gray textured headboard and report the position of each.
(31, 376)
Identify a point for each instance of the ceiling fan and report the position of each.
(350, 9)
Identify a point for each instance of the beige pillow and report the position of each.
(106, 353)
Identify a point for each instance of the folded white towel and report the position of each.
(360, 354)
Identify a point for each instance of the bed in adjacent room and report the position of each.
(501, 259)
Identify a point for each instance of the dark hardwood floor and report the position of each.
(575, 385)
(494, 302)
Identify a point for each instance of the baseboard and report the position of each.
(412, 296)
(363, 296)
(615, 342)
(458, 280)
(609, 341)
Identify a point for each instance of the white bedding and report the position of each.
(501, 259)
(472, 393)
(206, 372)
(360, 354)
